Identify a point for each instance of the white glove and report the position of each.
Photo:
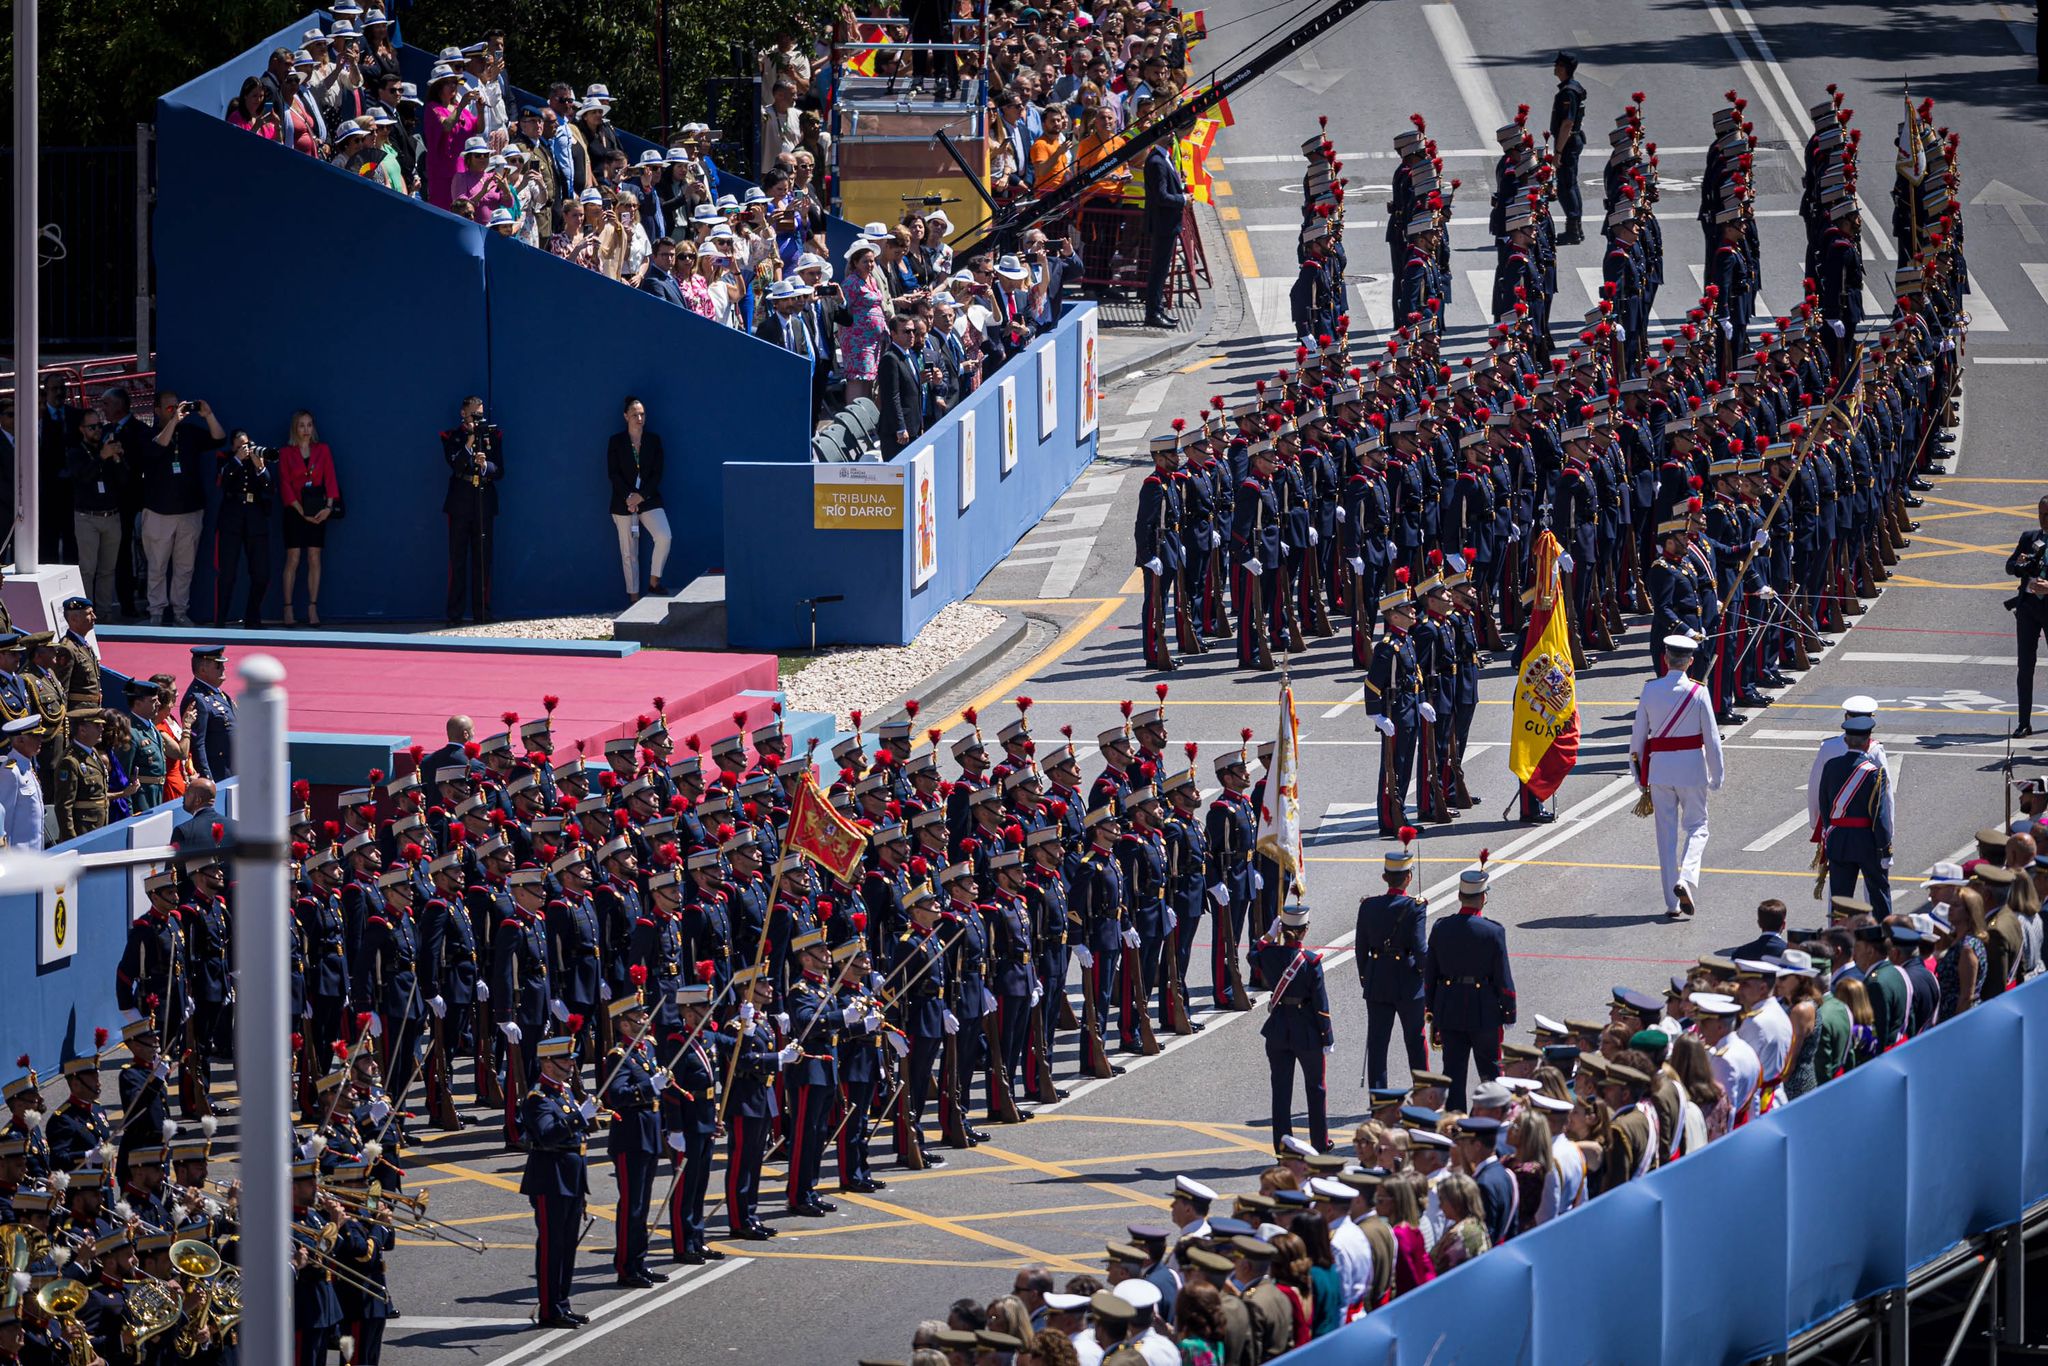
(1219, 894)
(746, 1012)
(897, 1045)
(1761, 539)
(1154, 566)
(604, 988)
(510, 1031)
(1514, 533)
(676, 1143)
(376, 1023)
(660, 1078)
(1885, 864)
(1330, 1048)
(1130, 937)
(1340, 513)
(1083, 956)
(1286, 549)
(160, 1069)
(1428, 712)
(1767, 592)
(483, 992)
(307, 1012)
(782, 1022)
(1037, 993)
(1836, 327)
(952, 1022)
(438, 1006)
(588, 1109)
(988, 1000)
(379, 1110)
(1258, 881)
(1254, 567)
(1384, 724)
(1619, 333)
(871, 1022)
(1727, 328)
(1215, 540)
(789, 1054)
(1313, 538)
(1357, 564)
(1393, 551)
(558, 1010)
(1172, 921)
(1566, 563)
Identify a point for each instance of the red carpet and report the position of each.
(411, 693)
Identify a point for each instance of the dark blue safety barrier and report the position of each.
(776, 559)
(53, 1010)
(286, 283)
(1732, 1252)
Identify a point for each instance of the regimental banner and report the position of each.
(1087, 409)
(822, 835)
(1543, 740)
(854, 497)
(1279, 830)
(924, 482)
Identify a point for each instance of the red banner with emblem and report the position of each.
(822, 835)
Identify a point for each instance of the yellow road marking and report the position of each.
(1134, 583)
(493, 1180)
(1228, 213)
(753, 1250)
(963, 1218)
(1568, 863)
(1924, 539)
(1044, 659)
(1041, 602)
(1215, 163)
(1241, 249)
(2025, 510)
(1946, 480)
(1218, 188)
(1068, 1173)
(1910, 581)
(960, 1230)
(1202, 364)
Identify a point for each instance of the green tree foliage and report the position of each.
(103, 64)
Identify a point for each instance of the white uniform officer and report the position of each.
(1833, 747)
(1676, 749)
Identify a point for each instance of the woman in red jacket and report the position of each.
(311, 497)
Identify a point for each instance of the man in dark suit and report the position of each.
(1166, 199)
(900, 388)
(660, 280)
(474, 450)
(1770, 938)
(941, 372)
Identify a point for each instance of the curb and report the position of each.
(989, 647)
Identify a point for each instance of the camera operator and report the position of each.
(2029, 607)
(96, 466)
(248, 485)
(174, 501)
(475, 454)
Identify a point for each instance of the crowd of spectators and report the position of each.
(1590, 1106)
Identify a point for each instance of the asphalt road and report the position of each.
(1580, 897)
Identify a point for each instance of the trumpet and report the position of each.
(417, 1217)
(416, 1205)
(318, 1239)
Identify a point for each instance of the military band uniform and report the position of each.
(633, 1141)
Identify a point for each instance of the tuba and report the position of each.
(60, 1301)
(197, 1266)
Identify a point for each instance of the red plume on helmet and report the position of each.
(1408, 833)
(637, 974)
(99, 1038)
(471, 749)
(510, 718)
(302, 791)
(859, 921)
(911, 706)
(706, 969)
(549, 702)
(574, 1024)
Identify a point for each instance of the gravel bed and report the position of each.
(872, 677)
(537, 628)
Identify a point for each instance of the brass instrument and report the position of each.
(318, 1245)
(197, 1265)
(60, 1302)
(415, 1204)
(319, 1239)
(154, 1308)
(370, 1204)
(22, 1245)
(225, 1307)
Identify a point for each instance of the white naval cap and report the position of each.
(1859, 705)
(1681, 644)
(1299, 1147)
(1188, 1186)
(1715, 1003)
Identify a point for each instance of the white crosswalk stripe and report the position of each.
(1341, 820)
(2037, 274)
(1984, 315)
(1374, 302)
(1699, 279)
(1272, 315)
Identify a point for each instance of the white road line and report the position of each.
(2009, 360)
(1065, 560)
(1147, 400)
(1357, 696)
(1120, 432)
(1065, 517)
(1466, 73)
(635, 1302)
(1272, 313)
(1454, 154)
(1375, 295)
(1757, 846)
(1911, 657)
(453, 1323)
(1096, 486)
(1480, 280)
(2037, 275)
(1342, 818)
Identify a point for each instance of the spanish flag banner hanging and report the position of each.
(1544, 741)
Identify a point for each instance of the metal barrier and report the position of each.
(1116, 252)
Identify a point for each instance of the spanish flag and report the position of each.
(1544, 742)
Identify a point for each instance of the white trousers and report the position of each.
(1681, 836)
(655, 520)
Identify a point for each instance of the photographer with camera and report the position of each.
(247, 476)
(2029, 607)
(474, 451)
(96, 466)
(173, 471)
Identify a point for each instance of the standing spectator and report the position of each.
(660, 280)
(170, 726)
(409, 139)
(209, 715)
(1198, 1325)
(56, 427)
(97, 471)
(1166, 198)
(312, 496)
(474, 451)
(863, 321)
(633, 463)
(900, 378)
(942, 384)
(1960, 969)
(1465, 1238)
(248, 488)
(480, 185)
(779, 130)
(454, 113)
(690, 282)
(133, 434)
(116, 744)
(145, 758)
(380, 58)
(174, 501)
(21, 788)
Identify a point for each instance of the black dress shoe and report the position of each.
(1058, 1093)
(977, 1136)
(1910, 501)
(710, 1254)
(1161, 320)
(578, 1319)
(634, 1282)
(1918, 485)
(2023, 730)
(566, 1324)
(689, 1256)
(1540, 818)
(807, 1211)
(934, 1160)
(751, 1233)
(651, 1274)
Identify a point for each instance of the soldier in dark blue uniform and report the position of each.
(751, 1107)
(1394, 693)
(1674, 594)
(689, 1115)
(1418, 294)
(325, 934)
(1141, 853)
(633, 1094)
(1855, 831)
(1297, 1029)
(1568, 136)
(450, 972)
(1468, 987)
(316, 1308)
(1053, 932)
(556, 1127)
(1099, 901)
(1229, 829)
(1390, 950)
(575, 944)
(209, 715)
(855, 988)
(1187, 886)
(1161, 553)
(154, 967)
(919, 1012)
(520, 988)
(1730, 271)
(77, 1128)
(145, 1103)
(817, 1022)
(24, 1104)
(1256, 556)
(475, 454)
(1012, 975)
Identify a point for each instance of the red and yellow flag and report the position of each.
(822, 835)
(1544, 738)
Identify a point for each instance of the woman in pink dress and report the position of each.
(1396, 1203)
(248, 112)
(454, 114)
(477, 188)
(864, 324)
(311, 495)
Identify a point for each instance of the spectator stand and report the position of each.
(460, 311)
(885, 149)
